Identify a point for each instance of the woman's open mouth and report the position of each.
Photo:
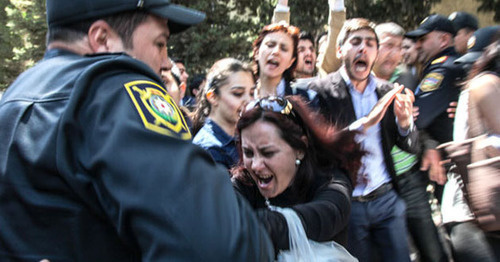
(273, 63)
(264, 180)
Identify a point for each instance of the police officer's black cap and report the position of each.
(432, 23)
(477, 43)
(463, 20)
(66, 12)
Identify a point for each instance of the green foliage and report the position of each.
(407, 13)
(313, 15)
(7, 42)
(229, 30)
(232, 26)
(22, 37)
(490, 5)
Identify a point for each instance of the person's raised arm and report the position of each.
(281, 12)
(327, 57)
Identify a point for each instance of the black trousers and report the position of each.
(412, 188)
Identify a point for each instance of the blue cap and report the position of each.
(463, 20)
(481, 39)
(66, 12)
(432, 23)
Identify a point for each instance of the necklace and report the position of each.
(268, 203)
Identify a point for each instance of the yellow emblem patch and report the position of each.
(440, 60)
(157, 109)
(431, 82)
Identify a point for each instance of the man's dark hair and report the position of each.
(195, 83)
(178, 60)
(123, 23)
(352, 25)
(304, 35)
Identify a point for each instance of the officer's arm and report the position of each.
(164, 196)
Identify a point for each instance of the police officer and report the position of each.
(437, 88)
(476, 45)
(95, 162)
(465, 25)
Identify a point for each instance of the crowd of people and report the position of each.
(112, 151)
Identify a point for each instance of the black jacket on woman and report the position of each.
(324, 210)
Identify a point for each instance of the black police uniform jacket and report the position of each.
(435, 92)
(335, 103)
(96, 165)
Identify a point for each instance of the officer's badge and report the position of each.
(453, 16)
(423, 21)
(471, 42)
(157, 109)
(431, 82)
(440, 60)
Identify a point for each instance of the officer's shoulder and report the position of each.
(445, 61)
(441, 60)
(439, 68)
(121, 63)
(122, 78)
(118, 71)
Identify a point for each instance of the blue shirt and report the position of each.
(373, 172)
(218, 143)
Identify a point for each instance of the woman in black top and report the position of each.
(291, 157)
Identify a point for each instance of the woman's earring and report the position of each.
(297, 162)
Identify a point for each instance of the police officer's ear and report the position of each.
(103, 39)
(446, 39)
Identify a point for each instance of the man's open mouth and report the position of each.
(360, 64)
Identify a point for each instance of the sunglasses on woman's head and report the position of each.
(273, 104)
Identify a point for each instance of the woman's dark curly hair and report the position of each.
(326, 146)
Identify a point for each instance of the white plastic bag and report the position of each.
(303, 249)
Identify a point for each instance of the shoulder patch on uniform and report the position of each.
(157, 109)
(431, 82)
(440, 60)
